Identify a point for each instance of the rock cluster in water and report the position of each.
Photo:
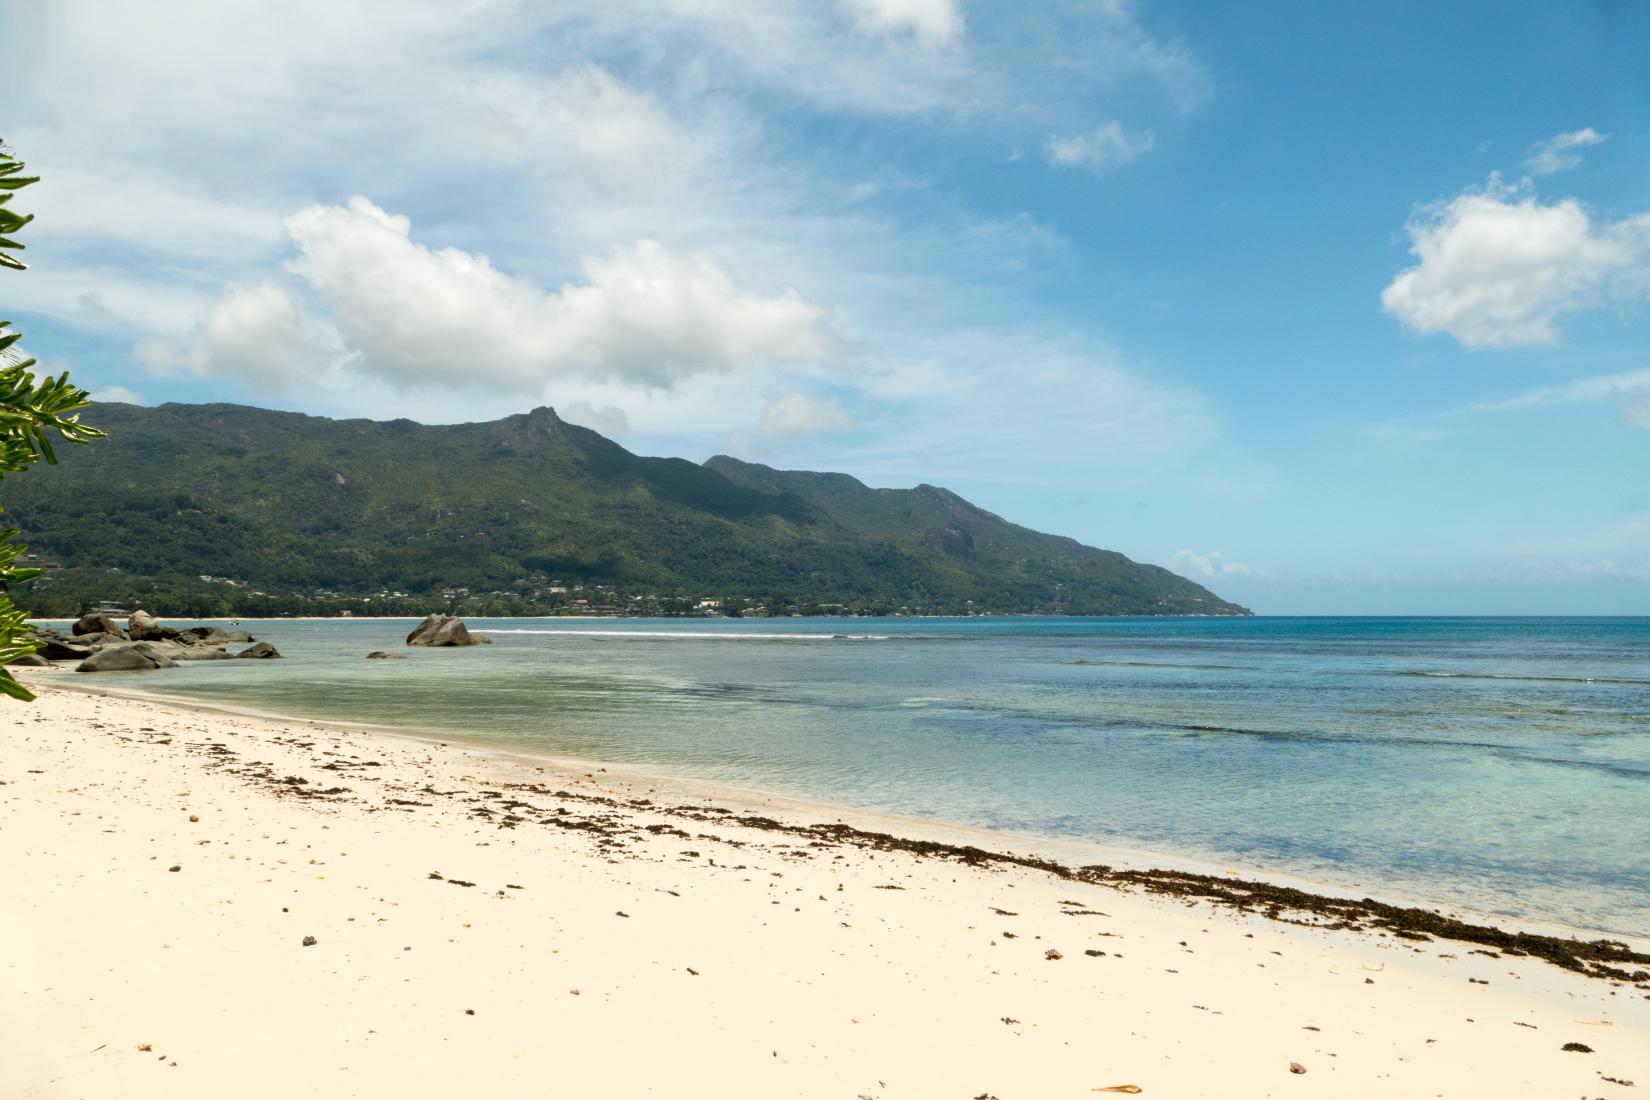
(100, 645)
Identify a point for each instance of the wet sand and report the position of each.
(499, 926)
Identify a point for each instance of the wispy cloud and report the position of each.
(1558, 153)
(1103, 147)
(797, 414)
(1583, 391)
(1598, 550)
(933, 22)
(1629, 390)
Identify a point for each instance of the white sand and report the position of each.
(122, 978)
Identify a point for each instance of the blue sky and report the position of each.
(1335, 309)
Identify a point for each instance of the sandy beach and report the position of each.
(209, 905)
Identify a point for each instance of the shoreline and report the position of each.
(1068, 853)
(211, 904)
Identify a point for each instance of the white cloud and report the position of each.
(1211, 564)
(799, 414)
(117, 393)
(1557, 153)
(256, 334)
(609, 420)
(1497, 266)
(448, 316)
(1637, 411)
(934, 22)
(1102, 147)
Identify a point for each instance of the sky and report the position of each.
(1337, 309)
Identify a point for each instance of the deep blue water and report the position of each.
(1498, 764)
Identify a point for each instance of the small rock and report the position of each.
(1051, 955)
(1578, 1048)
(1296, 1067)
(309, 941)
(175, 867)
(194, 818)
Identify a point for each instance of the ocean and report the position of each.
(1500, 765)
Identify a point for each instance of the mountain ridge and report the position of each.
(220, 501)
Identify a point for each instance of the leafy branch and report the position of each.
(31, 412)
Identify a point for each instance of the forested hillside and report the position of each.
(237, 509)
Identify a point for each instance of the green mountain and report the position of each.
(234, 509)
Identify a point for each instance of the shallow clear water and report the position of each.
(1497, 764)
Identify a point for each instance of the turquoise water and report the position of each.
(1497, 764)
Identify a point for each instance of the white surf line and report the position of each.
(702, 634)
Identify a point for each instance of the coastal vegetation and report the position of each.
(227, 509)
(31, 411)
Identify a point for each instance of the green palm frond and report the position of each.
(32, 411)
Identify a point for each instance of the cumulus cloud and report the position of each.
(934, 22)
(642, 314)
(1209, 565)
(1102, 147)
(1557, 154)
(257, 334)
(1497, 266)
(798, 414)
